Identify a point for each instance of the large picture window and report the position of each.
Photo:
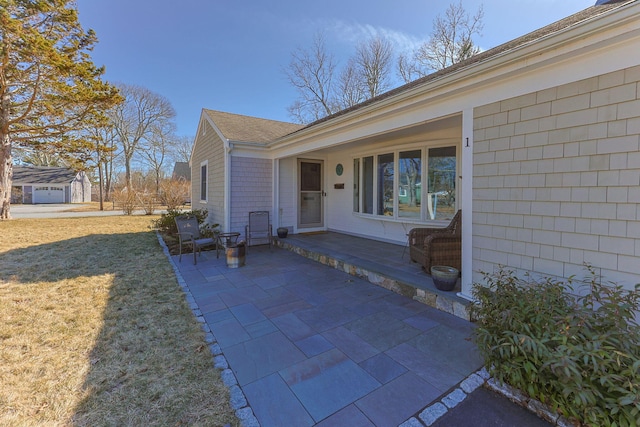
(391, 184)
(409, 184)
(442, 182)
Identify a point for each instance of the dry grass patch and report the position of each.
(94, 329)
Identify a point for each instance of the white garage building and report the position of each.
(36, 184)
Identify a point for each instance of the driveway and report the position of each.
(60, 211)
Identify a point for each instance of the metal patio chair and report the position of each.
(259, 228)
(189, 235)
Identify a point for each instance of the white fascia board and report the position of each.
(249, 149)
(581, 39)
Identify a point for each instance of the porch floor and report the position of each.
(384, 264)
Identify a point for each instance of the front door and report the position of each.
(310, 206)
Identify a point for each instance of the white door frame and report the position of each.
(315, 194)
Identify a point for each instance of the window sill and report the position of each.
(415, 221)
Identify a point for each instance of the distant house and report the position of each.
(37, 184)
(537, 141)
(181, 170)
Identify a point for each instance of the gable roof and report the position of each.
(42, 175)
(527, 39)
(236, 127)
(181, 170)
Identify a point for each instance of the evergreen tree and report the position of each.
(49, 87)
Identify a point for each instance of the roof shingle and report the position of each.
(42, 175)
(236, 127)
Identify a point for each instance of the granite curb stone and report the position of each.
(431, 414)
(237, 398)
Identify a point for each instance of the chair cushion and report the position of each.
(205, 241)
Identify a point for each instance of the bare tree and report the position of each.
(311, 73)
(104, 138)
(181, 148)
(373, 64)
(451, 41)
(156, 147)
(134, 119)
(408, 69)
(351, 89)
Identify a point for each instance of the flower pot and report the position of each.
(445, 278)
(283, 232)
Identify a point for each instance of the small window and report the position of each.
(203, 180)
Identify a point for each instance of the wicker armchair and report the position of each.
(437, 246)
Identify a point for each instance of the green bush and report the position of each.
(167, 221)
(578, 354)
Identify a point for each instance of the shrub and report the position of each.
(126, 200)
(148, 202)
(167, 222)
(578, 354)
(175, 193)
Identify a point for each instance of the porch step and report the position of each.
(383, 264)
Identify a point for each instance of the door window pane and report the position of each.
(385, 184)
(310, 179)
(442, 182)
(410, 184)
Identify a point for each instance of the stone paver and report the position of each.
(299, 343)
(307, 343)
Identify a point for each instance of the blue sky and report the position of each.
(230, 55)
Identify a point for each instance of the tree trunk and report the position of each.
(127, 172)
(108, 174)
(100, 183)
(6, 176)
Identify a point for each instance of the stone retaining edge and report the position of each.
(432, 299)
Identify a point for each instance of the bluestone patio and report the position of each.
(312, 345)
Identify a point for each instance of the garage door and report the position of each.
(48, 195)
